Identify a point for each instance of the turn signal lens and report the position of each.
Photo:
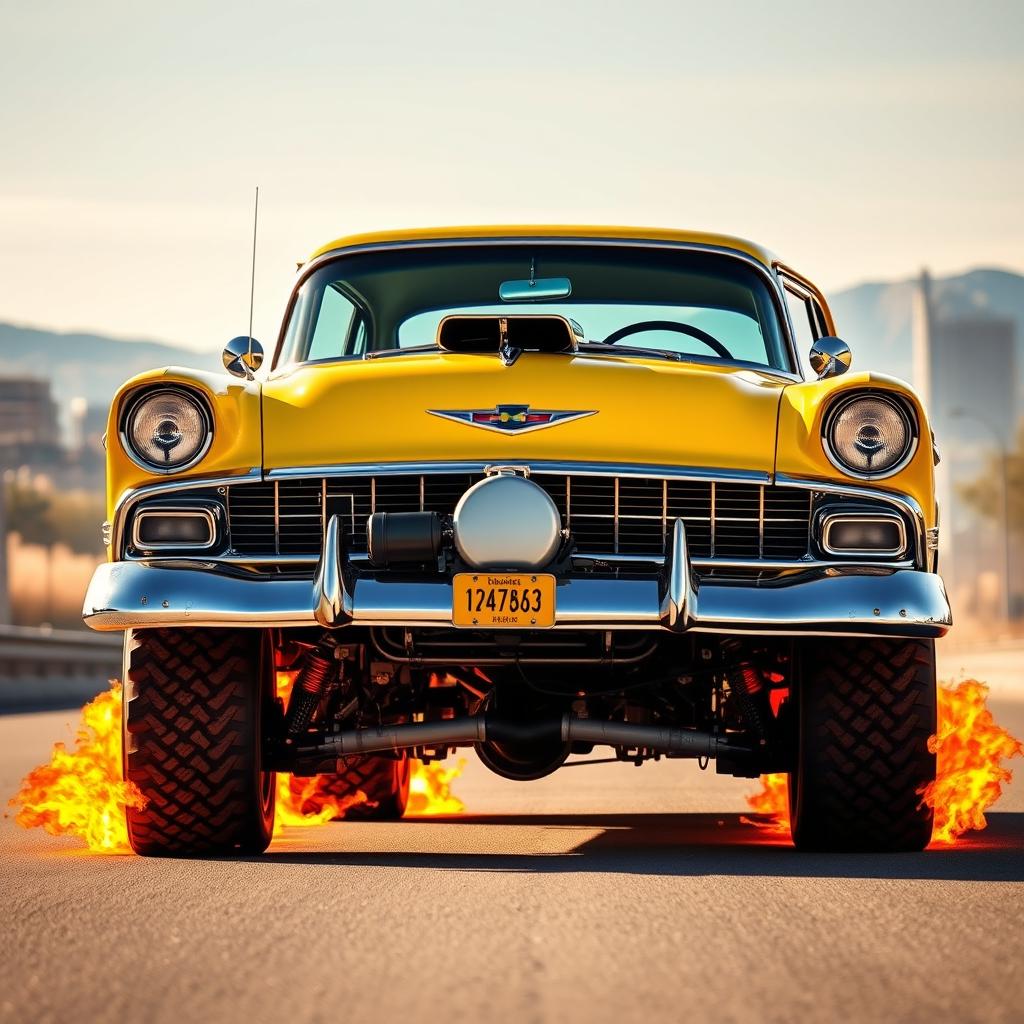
(869, 436)
(167, 430)
(881, 535)
(174, 528)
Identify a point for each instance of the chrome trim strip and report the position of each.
(540, 466)
(664, 513)
(297, 562)
(760, 522)
(277, 518)
(173, 512)
(829, 519)
(615, 516)
(714, 518)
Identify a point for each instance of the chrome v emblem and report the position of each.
(512, 419)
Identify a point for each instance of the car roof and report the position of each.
(567, 231)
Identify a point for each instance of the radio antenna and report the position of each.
(252, 278)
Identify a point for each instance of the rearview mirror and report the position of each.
(534, 288)
(830, 357)
(242, 356)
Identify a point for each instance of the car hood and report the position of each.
(643, 411)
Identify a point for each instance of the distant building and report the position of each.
(965, 369)
(29, 432)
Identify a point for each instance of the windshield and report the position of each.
(697, 305)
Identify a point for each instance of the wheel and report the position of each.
(866, 709)
(193, 706)
(384, 780)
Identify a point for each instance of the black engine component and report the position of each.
(403, 538)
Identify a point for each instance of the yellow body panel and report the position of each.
(648, 411)
(758, 252)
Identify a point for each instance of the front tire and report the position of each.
(866, 709)
(194, 701)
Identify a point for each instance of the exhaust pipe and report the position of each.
(568, 729)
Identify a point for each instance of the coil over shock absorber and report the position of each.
(748, 685)
(309, 686)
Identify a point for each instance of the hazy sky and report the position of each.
(859, 140)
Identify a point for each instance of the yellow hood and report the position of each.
(645, 411)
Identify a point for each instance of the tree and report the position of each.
(985, 492)
(71, 518)
(28, 515)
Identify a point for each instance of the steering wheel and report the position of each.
(669, 325)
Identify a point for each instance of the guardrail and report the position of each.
(42, 668)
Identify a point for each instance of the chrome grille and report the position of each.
(608, 516)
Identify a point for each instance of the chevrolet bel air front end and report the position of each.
(531, 490)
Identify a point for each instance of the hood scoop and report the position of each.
(506, 336)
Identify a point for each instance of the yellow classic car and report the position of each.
(534, 490)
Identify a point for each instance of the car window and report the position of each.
(698, 304)
(333, 335)
(805, 332)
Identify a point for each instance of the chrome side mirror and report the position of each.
(242, 356)
(830, 357)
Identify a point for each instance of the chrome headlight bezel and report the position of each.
(129, 410)
(899, 405)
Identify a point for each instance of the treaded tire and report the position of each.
(866, 711)
(193, 707)
(384, 780)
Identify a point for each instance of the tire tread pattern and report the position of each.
(868, 709)
(190, 715)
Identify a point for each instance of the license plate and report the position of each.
(503, 600)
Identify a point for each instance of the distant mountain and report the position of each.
(90, 366)
(876, 318)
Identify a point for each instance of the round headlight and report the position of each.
(167, 430)
(869, 436)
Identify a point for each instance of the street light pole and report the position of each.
(1004, 491)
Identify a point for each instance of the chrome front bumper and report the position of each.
(831, 601)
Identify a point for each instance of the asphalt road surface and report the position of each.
(605, 893)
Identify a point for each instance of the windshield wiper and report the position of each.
(384, 353)
(614, 350)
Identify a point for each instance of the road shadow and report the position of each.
(684, 845)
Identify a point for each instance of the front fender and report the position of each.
(801, 453)
(236, 447)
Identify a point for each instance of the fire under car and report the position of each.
(535, 491)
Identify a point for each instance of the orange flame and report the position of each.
(302, 802)
(430, 789)
(81, 792)
(970, 749)
(772, 801)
